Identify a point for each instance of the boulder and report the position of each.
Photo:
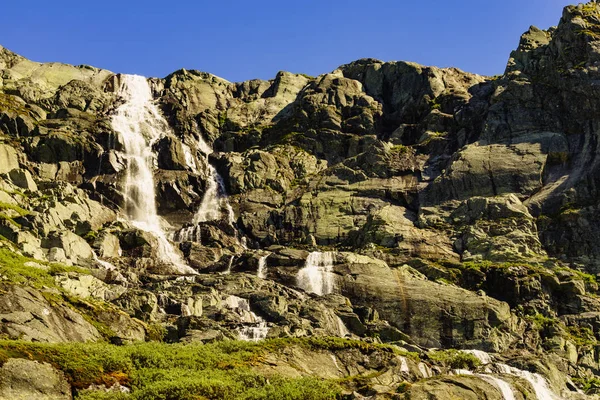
(75, 248)
(85, 286)
(22, 379)
(27, 315)
(462, 387)
(8, 158)
(107, 245)
(23, 179)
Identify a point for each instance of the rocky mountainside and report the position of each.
(445, 223)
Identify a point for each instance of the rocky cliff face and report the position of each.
(461, 210)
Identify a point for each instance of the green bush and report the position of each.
(454, 359)
(156, 371)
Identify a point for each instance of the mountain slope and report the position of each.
(386, 201)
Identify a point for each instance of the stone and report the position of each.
(8, 158)
(74, 247)
(57, 254)
(23, 179)
(107, 245)
(27, 315)
(459, 387)
(85, 286)
(22, 379)
(139, 304)
(434, 315)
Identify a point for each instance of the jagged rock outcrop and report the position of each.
(462, 210)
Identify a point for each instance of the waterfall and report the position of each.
(140, 124)
(254, 328)
(254, 333)
(214, 201)
(262, 267)
(342, 329)
(317, 274)
(502, 386)
(215, 195)
(229, 266)
(210, 207)
(538, 382)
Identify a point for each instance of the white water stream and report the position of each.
(317, 274)
(214, 205)
(140, 124)
(538, 382)
(254, 328)
(262, 267)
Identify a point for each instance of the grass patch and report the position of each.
(589, 386)
(21, 211)
(400, 149)
(14, 270)
(579, 275)
(156, 371)
(581, 336)
(541, 322)
(454, 359)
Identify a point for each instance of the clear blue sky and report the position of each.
(240, 40)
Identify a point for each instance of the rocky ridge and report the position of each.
(461, 209)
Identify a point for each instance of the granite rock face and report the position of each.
(461, 211)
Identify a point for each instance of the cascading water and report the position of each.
(317, 275)
(210, 207)
(262, 267)
(254, 328)
(537, 381)
(213, 203)
(342, 329)
(139, 123)
(229, 266)
(502, 386)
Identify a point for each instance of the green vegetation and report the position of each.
(541, 322)
(589, 386)
(435, 104)
(582, 336)
(403, 387)
(307, 76)
(156, 332)
(579, 275)
(589, 33)
(454, 359)
(9, 211)
(181, 372)
(5, 206)
(11, 104)
(400, 149)
(18, 269)
(589, 8)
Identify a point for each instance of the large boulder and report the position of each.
(22, 379)
(27, 315)
(23, 179)
(8, 158)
